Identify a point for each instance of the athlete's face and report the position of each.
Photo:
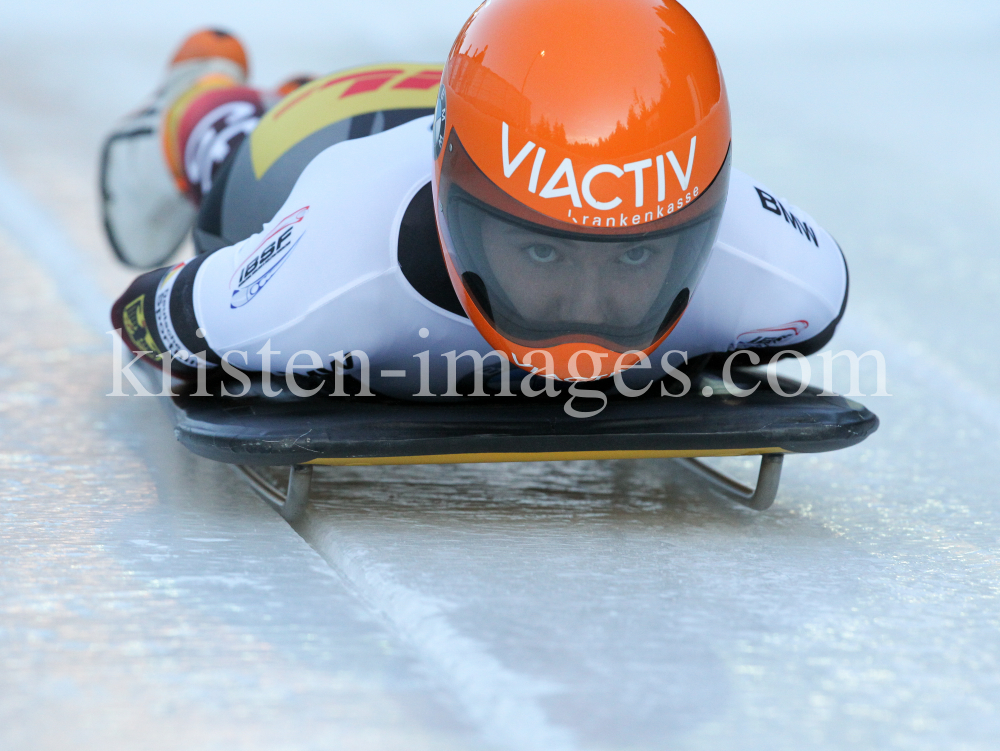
(553, 280)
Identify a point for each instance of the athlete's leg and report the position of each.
(159, 162)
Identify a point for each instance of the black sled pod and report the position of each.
(254, 431)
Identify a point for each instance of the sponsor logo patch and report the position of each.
(770, 336)
(772, 204)
(267, 257)
(661, 179)
(134, 320)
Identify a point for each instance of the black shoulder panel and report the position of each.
(245, 203)
(207, 232)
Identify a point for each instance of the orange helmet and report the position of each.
(581, 168)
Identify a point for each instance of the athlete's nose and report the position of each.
(584, 301)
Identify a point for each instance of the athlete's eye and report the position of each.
(541, 253)
(636, 256)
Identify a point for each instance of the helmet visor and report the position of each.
(539, 286)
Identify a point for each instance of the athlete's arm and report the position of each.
(157, 162)
(776, 280)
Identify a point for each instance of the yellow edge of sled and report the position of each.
(548, 456)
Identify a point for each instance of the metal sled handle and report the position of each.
(759, 498)
(289, 504)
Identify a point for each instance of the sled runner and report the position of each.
(254, 431)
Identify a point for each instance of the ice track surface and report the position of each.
(149, 600)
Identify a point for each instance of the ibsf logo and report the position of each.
(563, 183)
(268, 256)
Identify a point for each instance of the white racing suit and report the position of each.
(345, 273)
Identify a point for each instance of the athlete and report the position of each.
(559, 196)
